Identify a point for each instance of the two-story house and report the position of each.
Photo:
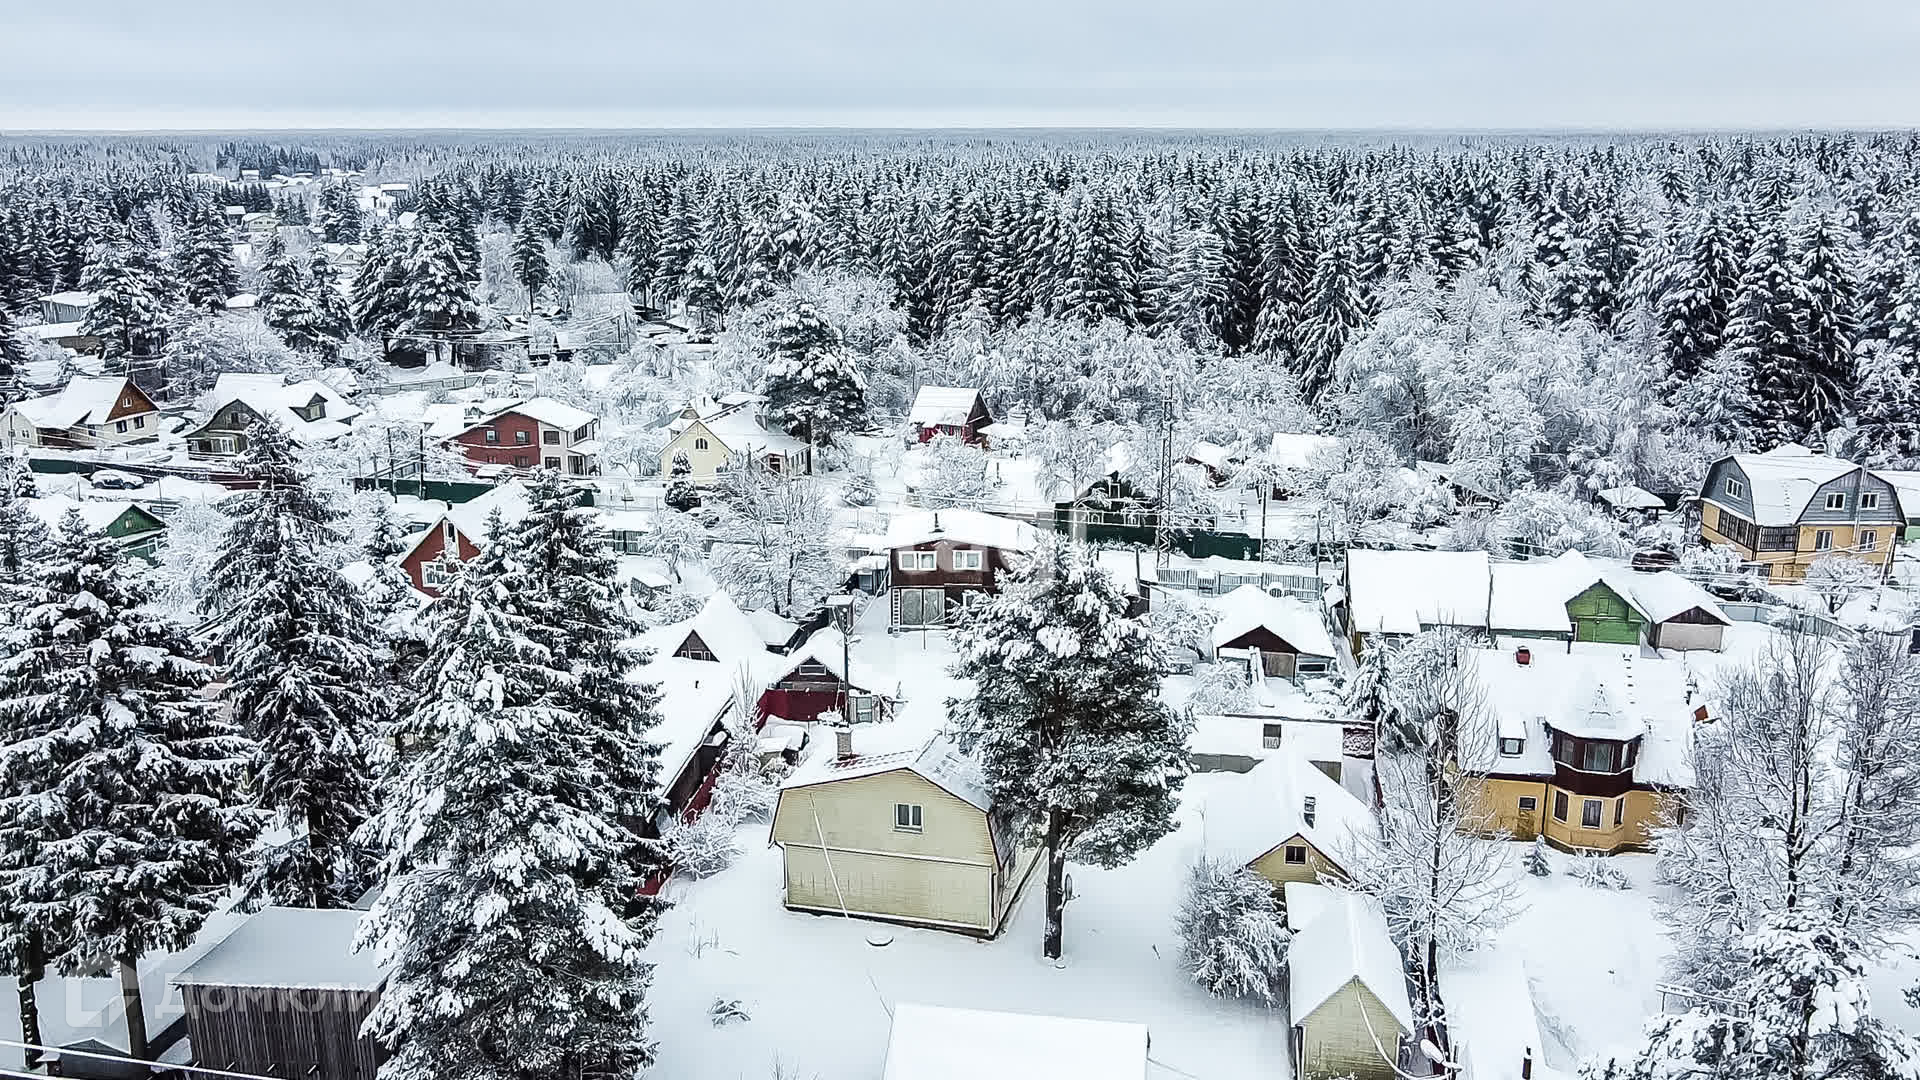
(87, 412)
(941, 559)
(535, 433)
(715, 436)
(1785, 508)
(309, 410)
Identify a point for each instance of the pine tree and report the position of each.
(1066, 720)
(1693, 307)
(438, 294)
(1332, 314)
(811, 385)
(122, 830)
(301, 674)
(207, 274)
(530, 265)
(1886, 428)
(508, 956)
(681, 495)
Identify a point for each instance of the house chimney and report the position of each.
(1523, 656)
(1526, 1064)
(1308, 810)
(843, 742)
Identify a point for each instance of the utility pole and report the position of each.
(1163, 533)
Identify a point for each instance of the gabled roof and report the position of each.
(942, 405)
(1534, 595)
(271, 397)
(825, 649)
(1341, 937)
(1249, 607)
(1782, 481)
(1398, 592)
(727, 631)
(960, 526)
(1266, 806)
(84, 400)
(1294, 450)
(543, 410)
(939, 763)
(694, 694)
(937, 1043)
(293, 948)
(97, 513)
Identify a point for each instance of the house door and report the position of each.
(1277, 665)
(923, 607)
(1527, 822)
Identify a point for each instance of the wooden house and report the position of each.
(458, 534)
(1587, 747)
(1346, 987)
(1785, 508)
(1279, 637)
(1109, 510)
(67, 307)
(135, 529)
(816, 679)
(719, 435)
(958, 411)
(908, 836)
(90, 411)
(1287, 819)
(285, 995)
(941, 559)
(536, 433)
(309, 411)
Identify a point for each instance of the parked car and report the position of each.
(116, 480)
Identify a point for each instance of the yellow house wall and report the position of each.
(707, 464)
(1497, 803)
(944, 874)
(1275, 868)
(1792, 565)
(1335, 1040)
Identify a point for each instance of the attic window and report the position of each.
(1836, 500)
(1512, 747)
(1296, 855)
(1734, 488)
(906, 817)
(699, 444)
(968, 560)
(1869, 500)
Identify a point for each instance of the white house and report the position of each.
(87, 412)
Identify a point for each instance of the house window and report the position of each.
(1774, 538)
(1590, 813)
(1734, 488)
(520, 461)
(917, 560)
(1823, 540)
(447, 534)
(906, 817)
(1559, 806)
(968, 560)
(1512, 747)
(1270, 736)
(493, 435)
(522, 438)
(139, 422)
(1619, 811)
(551, 463)
(863, 709)
(1598, 757)
(1836, 500)
(550, 438)
(433, 574)
(1869, 500)
(1529, 804)
(584, 431)
(120, 426)
(1311, 667)
(1296, 855)
(699, 444)
(1868, 538)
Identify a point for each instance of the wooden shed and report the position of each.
(285, 995)
(1347, 990)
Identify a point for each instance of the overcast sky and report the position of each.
(1583, 64)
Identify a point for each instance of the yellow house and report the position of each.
(1586, 747)
(1287, 820)
(718, 435)
(908, 837)
(1346, 986)
(1785, 508)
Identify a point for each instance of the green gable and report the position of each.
(1600, 614)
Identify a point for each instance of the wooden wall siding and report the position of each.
(1600, 614)
(1335, 1039)
(1496, 804)
(1275, 868)
(284, 1032)
(429, 550)
(478, 450)
(1685, 634)
(954, 895)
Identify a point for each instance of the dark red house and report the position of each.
(958, 411)
(532, 434)
(459, 531)
(812, 681)
(938, 559)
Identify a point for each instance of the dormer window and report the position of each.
(1836, 500)
(1869, 500)
(312, 410)
(1512, 747)
(1308, 809)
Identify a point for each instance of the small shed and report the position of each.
(932, 1042)
(285, 995)
(958, 411)
(1282, 635)
(1347, 987)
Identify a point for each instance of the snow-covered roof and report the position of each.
(54, 331)
(1342, 938)
(1398, 592)
(84, 400)
(939, 762)
(1206, 453)
(470, 517)
(1533, 595)
(1249, 607)
(1294, 450)
(97, 513)
(961, 526)
(1665, 594)
(1906, 485)
(739, 428)
(825, 647)
(244, 301)
(937, 405)
(730, 635)
(1490, 1013)
(930, 1042)
(303, 948)
(544, 410)
(274, 398)
(1782, 481)
(1588, 690)
(72, 298)
(1630, 497)
(774, 629)
(693, 695)
(1266, 806)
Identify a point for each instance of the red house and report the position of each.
(941, 559)
(812, 680)
(536, 433)
(459, 531)
(958, 411)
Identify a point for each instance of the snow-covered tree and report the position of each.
(129, 303)
(302, 674)
(1368, 698)
(124, 822)
(770, 546)
(1885, 431)
(508, 955)
(1839, 577)
(812, 387)
(437, 290)
(530, 264)
(681, 494)
(952, 473)
(1332, 312)
(1233, 936)
(1066, 718)
(205, 262)
(286, 304)
(1181, 622)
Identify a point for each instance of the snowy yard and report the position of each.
(818, 994)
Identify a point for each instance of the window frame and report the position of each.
(1836, 500)
(1519, 746)
(917, 561)
(492, 436)
(550, 463)
(1733, 488)
(1867, 539)
(1529, 804)
(1287, 855)
(1619, 811)
(549, 437)
(701, 444)
(1596, 809)
(523, 437)
(120, 427)
(1560, 803)
(1823, 539)
(1869, 500)
(909, 817)
(969, 559)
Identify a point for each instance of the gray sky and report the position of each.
(913, 63)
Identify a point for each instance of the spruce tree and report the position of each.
(811, 385)
(1066, 719)
(508, 956)
(1886, 428)
(1762, 335)
(123, 826)
(286, 306)
(1332, 314)
(530, 265)
(301, 674)
(437, 298)
(681, 495)
(332, 314)
(1693, 307)
(128, 304)
(379, 298)
(205, 261)
(1826, 312)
